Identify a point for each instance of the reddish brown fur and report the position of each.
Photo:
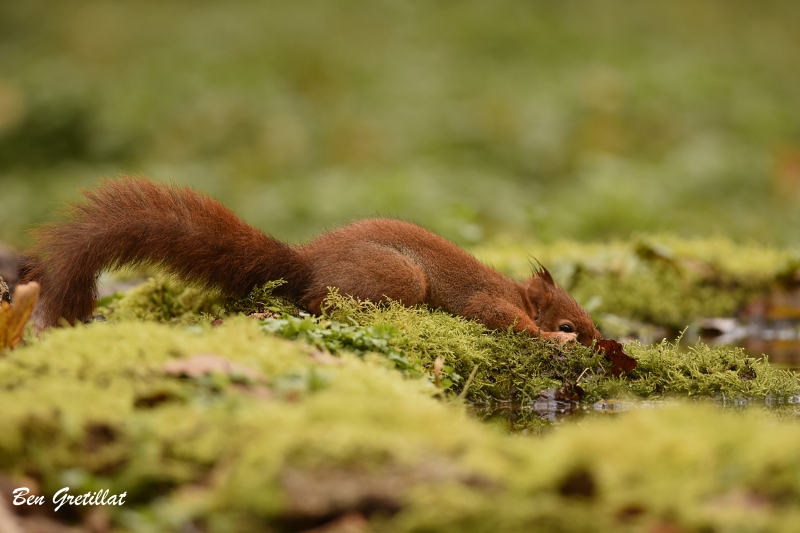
(134, 221)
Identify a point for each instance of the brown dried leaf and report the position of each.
(14, 317)
(200, 365)
(620, 361)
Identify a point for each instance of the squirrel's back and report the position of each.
(383, 257)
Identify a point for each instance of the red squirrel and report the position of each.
(134, 221)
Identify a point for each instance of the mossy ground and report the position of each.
(280, 435)
(293, 440)
(656, 280)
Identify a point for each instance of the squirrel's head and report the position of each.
(555, 310)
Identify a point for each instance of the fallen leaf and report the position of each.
(200, 365)
(14, 317)
(620, 361)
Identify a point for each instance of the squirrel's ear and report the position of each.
(540, 271)
(538, 294)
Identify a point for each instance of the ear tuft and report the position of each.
(541, 272)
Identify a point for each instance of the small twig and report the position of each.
(469, 382)
(582, 373)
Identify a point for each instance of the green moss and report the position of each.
(260, 300)
(162, 299)
(518, 368)
(335, 337)
(93, 408)
(687, 469)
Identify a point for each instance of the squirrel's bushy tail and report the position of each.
(133, 221)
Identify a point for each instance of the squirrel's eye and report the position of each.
(566, 328)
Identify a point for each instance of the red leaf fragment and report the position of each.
(620, 361)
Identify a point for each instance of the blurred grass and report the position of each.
(583, 120)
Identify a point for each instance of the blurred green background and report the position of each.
(586, 119)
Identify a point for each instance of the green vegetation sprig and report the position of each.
(336, 336)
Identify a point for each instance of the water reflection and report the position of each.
(541, 414)
(779, 340)
(537, 417)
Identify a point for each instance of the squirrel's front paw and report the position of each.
(560, 336)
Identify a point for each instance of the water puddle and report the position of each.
(538, 416)
(779, 340)
(533, 417)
